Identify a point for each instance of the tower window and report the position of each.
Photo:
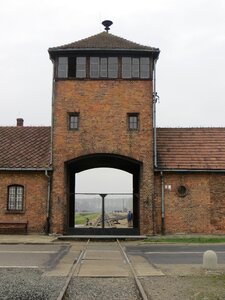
(103, 67)
(62, 67)
(15, 197)
(133, 121)
(144, 67)
(112, 67)
(134, 67)
(126, 67)
(94, 67)
(81, 67)
(71, 67)
(74, 121)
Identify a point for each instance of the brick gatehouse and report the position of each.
(103, 115)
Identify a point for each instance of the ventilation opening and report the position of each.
(182, 191)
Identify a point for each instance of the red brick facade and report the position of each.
(34, 211)
(103, 107)
(201, 210)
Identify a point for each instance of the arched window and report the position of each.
(15, 197)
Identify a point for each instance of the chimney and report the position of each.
(19, 122)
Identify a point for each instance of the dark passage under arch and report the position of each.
(100, 161)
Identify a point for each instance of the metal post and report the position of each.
(162, 205)
(103, 209)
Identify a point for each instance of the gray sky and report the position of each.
(104, 180)
(189, 33)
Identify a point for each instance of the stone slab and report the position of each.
(103, 254)
(103, 268)
(143, 267)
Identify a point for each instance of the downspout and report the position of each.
(162, 204)
(53, 102)
(155, 99)
(47, 226)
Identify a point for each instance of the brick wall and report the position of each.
(217, 199)
(35, 198)
(202, 210)
(103, 107)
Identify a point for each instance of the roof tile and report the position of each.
(191, 148)
(104, 40)
(25, 147)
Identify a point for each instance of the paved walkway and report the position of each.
(27, 239)
(102, 259)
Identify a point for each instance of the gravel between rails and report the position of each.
(102, 288)
(28, 284)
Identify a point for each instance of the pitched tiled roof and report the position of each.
(191, 148)
(177, 148)
(25, 147)
(104, 40)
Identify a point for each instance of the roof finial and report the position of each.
(107, 24)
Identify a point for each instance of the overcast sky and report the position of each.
(104, 180)
(189, 33)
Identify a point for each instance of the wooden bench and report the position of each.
(13, 227)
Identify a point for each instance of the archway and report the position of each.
(106, 209)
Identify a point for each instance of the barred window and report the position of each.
(15, 197)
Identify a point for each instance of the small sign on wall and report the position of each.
(168, 187)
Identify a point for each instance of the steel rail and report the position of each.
(136, 279)
(73, 268)
(77, 262)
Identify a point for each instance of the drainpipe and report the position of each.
(155, 99)
(47, 227)
(53, 103)
(162, 204)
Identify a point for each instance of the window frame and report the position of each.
(133, 125)
(81, 67)
(70, 122)
(111, 67)
(104, 67)
(16, 204)
(62, 67)
(135, 67)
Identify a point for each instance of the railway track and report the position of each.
(77, 265)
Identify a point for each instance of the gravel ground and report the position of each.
(28, 284)
(102, 288)
(209, 287)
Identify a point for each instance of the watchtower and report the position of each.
(102, 116)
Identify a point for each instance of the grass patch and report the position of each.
(183, 239)
(81, 218)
